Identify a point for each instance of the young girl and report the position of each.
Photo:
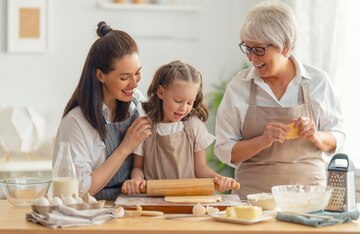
(176, 147)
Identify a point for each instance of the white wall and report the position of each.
(47, 80)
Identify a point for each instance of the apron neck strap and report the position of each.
(252, 100)
(305, 91)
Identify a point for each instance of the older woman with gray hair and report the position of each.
(280, 118)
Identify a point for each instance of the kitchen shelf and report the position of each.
(109, 4)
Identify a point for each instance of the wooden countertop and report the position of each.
(12, 220)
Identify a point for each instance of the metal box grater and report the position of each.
(341, 177)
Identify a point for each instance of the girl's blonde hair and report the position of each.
(165, 76)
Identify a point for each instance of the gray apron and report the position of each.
(170, 156)
(296, 161)
(115, 134)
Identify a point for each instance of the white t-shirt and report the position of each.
(232, 110)
(87, 147)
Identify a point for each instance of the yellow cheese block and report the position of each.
(293, 133)
(230, 212)
(248, 212)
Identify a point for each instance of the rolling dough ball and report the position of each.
(42, 201)
(198, 209)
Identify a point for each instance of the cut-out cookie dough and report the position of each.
(293, 133)
(193, 199)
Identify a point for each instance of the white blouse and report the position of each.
(87, 147)
(232, 110)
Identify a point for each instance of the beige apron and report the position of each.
(296, 161)
(170, 156)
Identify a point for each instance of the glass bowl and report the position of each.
(24, 191)
(264, 200)
(301, 198)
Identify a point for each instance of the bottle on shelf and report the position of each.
(64, 182)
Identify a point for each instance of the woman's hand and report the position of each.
(133, 186)
(138, 131)
(274, 132)
(307, 129)
(224, 183)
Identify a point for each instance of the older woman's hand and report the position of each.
(307, 129)
(274, 132)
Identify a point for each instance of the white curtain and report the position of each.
(329, 38)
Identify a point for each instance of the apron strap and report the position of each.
(135, 101)
(306, 96)
(252, 100)
(305, 91)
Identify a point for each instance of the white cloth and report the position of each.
(202, 136)
(65, 216)
(234, 105)
(87, 147)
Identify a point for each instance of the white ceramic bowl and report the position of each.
(301, 198)
(264, 200)
(24, 191)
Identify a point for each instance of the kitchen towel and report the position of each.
(65, 216)
(339, 217)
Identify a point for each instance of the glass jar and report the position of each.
(64, 182)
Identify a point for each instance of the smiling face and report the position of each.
(119, 84)
(271, 63)
(177, 99)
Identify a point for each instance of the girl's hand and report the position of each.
(133, 186)
(224, 183)
(307, 129)
(275, 132)
(138, 131)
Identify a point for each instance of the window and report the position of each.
(329, 39)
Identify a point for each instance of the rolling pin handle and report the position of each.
(236, 186)
(143, 190)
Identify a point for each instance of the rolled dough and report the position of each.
(193, 199)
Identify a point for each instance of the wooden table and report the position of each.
(12, 220)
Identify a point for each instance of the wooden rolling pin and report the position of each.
(181, 187)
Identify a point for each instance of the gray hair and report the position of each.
(271, 22)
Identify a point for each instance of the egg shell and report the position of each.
(56, 201)
(211, 210)
(92, 200)
(42, 201)
(79, 200)
(69, 200)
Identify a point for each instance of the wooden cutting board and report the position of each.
(158, 203)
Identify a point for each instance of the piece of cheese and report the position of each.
(248, 212)
(293, 133)
(230, 212)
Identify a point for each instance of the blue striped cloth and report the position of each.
(339, 217)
